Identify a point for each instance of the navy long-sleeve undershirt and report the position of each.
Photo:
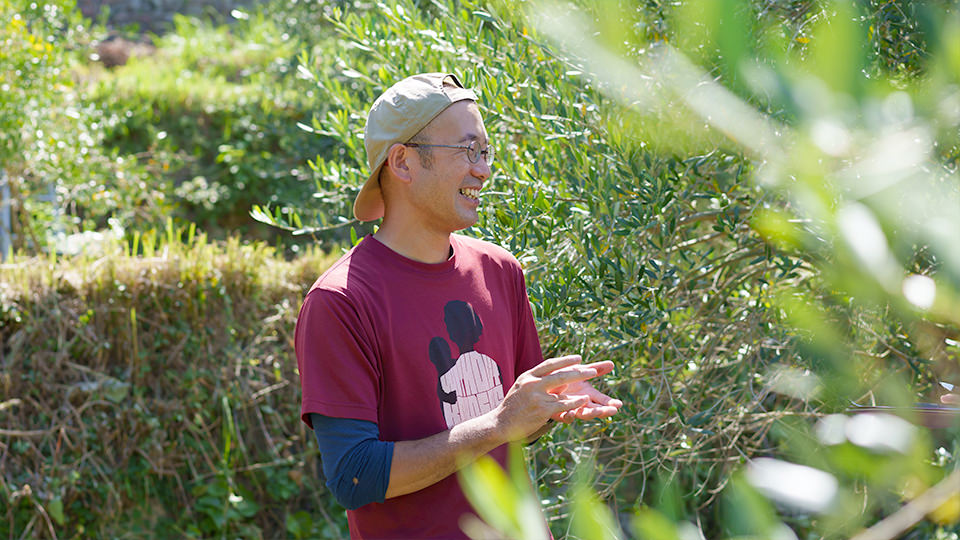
(355, 461)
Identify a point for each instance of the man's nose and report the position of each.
(481, 169)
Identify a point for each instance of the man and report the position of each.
(396, 412)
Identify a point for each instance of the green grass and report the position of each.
(213, 115)
(199, 64)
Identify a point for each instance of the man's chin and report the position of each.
(469, 224)
(467, 220)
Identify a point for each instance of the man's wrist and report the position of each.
(535, 436)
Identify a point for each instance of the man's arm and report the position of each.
(356, 463)
(528, 405)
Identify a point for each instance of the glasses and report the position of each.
(473, 150)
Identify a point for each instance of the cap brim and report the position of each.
(368, 206)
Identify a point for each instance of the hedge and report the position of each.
(157, 395)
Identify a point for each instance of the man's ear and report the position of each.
(398, 160)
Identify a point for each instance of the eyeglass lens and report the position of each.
(474, 152)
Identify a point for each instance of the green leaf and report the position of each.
(746, 512)
(489, 491)
(486, 17)
(508, 504)
(115, 391)
(591, 518)
(650, 524)
(246, 507)
(837, 55)
(55, 509)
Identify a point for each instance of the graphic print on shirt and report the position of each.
(469, 385)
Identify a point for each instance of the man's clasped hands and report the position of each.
(557, 389)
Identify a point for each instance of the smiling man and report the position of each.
(395, 410)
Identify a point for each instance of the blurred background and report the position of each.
(750, 207)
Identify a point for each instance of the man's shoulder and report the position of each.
(345, 274)
(484, 249)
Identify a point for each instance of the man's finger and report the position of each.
(550, 365)
(597, 396)
(589, 411)
(603, 367)
(570, 403)
(603, 399)
(567, 376)
(593, 412)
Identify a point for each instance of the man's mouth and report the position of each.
(473, 193)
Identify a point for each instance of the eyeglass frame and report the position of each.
(489, 151)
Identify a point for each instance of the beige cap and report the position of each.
(396, 116)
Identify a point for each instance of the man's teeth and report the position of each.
(473, 193)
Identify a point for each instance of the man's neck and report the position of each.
(417, 245)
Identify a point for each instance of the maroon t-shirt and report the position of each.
(416, 348)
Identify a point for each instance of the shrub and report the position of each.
(64, 181)
(867, 225)
(641, 258)
(643, 239)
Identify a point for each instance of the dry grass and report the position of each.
(132, 386)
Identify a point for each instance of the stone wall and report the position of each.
(157, 15)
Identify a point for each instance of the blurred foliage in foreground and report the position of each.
(705, 213)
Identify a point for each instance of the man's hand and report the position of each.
(557, 388)
(598, 405)
(950, 399)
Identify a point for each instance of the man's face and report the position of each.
(445, 195)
